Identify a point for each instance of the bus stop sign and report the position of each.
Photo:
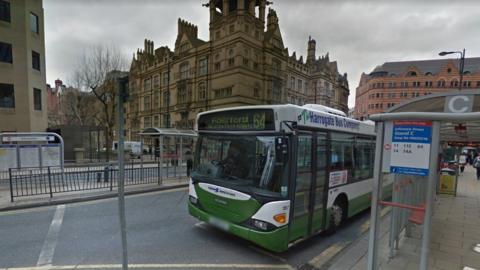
(410, 152)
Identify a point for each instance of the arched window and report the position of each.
(428, 74)
(412, 74)
(202, 91)
(454, 83)
(441, 83)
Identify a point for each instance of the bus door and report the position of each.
(319, 196)
(300, 225)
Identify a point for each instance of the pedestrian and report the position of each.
(462, 160)
(189, 158)
(476, 165)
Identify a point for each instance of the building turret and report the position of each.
(272, 20)
(311, 50)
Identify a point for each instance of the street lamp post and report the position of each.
(462, 64)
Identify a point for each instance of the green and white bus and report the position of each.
(278, 174)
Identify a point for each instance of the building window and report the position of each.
(4, 11)
(202, 91)
(277, 91)
(37, 99)
(232, 28)
(184, 71)
(155, 121)
(231, 62)
(299, 85)
(156, 100)
(165, 78)
(36, 60)
(146, 103)
(217, 66)
(34, 27)
(147, 122)
(246, 62)
(454, 83)
(223, 92)
(166, 99)
(182, 94)
(156, 81)
(478, 83)
(256, 92)
(441, 83)
(412, 74)
(276, 66)
(166, 120)
(467, 84)
(7, 96)
(202, 70)
(6, 53)
(292, 83)
(147, 85)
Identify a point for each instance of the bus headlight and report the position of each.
(193, 200)
(260, 224)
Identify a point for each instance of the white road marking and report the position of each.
(48, 249)
(156, 266)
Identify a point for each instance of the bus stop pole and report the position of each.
(160, 140)
(432, 177)
(376, 196)
(121, 179)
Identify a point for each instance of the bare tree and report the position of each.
(78, 107)
(97, 72)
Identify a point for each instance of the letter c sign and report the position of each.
(458, 104)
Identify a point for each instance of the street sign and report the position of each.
(410, 152)
(34, 138)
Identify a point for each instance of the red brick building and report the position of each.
(395, 82)
(53, 103)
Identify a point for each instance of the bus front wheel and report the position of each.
(337, 214)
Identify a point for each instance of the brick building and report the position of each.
(245, 62)
(395, 82)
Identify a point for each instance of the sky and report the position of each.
(358, 34)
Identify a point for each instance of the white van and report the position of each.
(132, 146)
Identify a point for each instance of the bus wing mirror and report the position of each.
(281, 149)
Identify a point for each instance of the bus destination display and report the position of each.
(238, 120)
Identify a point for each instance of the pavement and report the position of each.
(160, 235)
(455, 236)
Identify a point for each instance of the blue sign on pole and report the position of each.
(411, 142)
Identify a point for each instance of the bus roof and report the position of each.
(304, 116)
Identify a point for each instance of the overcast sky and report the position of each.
(359, 35)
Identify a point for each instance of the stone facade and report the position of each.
(23, 98)
(244, 62)
(396, 82)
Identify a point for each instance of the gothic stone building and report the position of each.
(244, 62)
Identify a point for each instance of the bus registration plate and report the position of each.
(218, 223)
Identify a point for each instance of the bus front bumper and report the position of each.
(276, 240)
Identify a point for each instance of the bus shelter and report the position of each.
(158, 135)
(410, 138)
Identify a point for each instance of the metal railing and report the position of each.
(26, 182)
